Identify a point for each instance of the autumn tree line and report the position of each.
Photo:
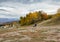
(33, 17)
(37, 16)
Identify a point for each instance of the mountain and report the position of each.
(4, 20)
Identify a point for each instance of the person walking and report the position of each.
(35, 25)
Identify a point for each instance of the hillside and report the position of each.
(53, 21)
(40, 33)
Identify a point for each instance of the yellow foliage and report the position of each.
(32, 18)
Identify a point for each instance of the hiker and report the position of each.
(35, 25)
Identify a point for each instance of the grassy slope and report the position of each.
(32, 34)
(50, 22)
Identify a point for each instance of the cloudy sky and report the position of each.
(17, 8)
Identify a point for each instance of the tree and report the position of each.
(21, 17)
(44, 16)
(22, 21)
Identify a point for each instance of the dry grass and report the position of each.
(29, 34)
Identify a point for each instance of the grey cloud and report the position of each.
(57, 2)
(4, 10)
(20, 7)
(22, 1)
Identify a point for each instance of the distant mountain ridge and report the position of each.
(4, 20)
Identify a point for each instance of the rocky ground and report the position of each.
(31, 34)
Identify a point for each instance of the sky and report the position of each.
(17, 8)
